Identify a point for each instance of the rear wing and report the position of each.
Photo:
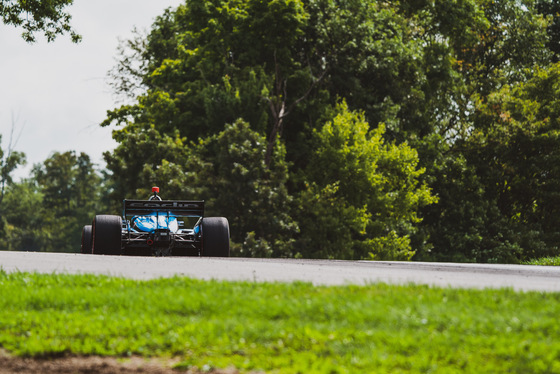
(180, 208)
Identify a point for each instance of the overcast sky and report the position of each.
(56, 93)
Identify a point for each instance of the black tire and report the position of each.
(107, 235)
(215, 237)
(87, 238)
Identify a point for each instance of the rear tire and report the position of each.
(107, 232)
(215, 237)
(86, 239)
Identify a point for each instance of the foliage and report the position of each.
(235, 180)
(501, 46)
(47, 211)
(71, 190)
(125, 78)
(514, 41)
(141, 154)
(501, 199)
(363, 186)
(517, 150)
(445, 148)
(466, 225)
(545, 261)
(48, 17)
(24, 219)
(9, 161)
(226, 170)
(551, 9)
(209, 63)
(281, 328)
(69, 183)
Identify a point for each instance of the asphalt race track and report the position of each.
(319, 272)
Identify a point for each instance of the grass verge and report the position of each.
(282, 328)
(546, 261)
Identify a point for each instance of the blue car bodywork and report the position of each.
(151, 223)
(154, 225)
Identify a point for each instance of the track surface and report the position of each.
(319, 272)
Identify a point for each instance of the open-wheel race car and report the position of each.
(156, 227)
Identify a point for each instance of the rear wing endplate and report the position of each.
(181, 208)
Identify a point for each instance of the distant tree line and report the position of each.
(46, 212)
(425, 130)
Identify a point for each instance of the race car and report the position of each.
(156, 227)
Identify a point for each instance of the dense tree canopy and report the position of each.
(209, 63)
(337, 129)
(419, 76)
(362, 194)
(551, 9)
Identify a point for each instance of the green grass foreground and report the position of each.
(282, 328)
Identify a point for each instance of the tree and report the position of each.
(498, 197)
(466, 224)
(551, 9)
(238, 183)
(487, 45)
(126, 77)
(47, 211)
(418, 72)
(146, 157)
(227, 170)
(516, 152)
(210, 63)
(362, 195)
(9, 161)
(35, 16)
(25, 219)
(71, 196)
(69, 182)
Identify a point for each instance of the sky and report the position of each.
(56, 94)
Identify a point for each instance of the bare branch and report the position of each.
(10, 159)
(307, 93)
